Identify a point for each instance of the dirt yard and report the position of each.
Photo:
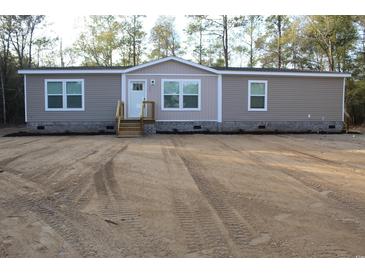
(183, 196)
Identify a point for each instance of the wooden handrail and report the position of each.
(119, 115)
(148, 113)
(117, 112)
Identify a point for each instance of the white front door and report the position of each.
(136, 95)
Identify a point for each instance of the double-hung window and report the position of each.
(181, 94)
(257, 95)
(63, 95)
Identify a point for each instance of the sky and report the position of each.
(68, 27)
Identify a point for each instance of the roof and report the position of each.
(215, 70)
(82, 68)
(253, 69)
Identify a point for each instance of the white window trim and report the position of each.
(25, 100)
(180, 108)
(249, 95)
(219, 98)
(64, 95)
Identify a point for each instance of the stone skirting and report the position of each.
(191, 127)
(77, 127)
(285, 126)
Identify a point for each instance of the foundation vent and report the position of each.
(332, 126)
(261, 127)
(197, 127)
(109, 127)
(40, 127)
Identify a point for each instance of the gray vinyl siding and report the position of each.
(101, 94)
(208, 110)
(289, 99)
(171, 67)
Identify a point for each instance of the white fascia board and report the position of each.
(219, 98)
(278, 73)
(172, 58)
(252, 73)
(25, 100)
(69, 71)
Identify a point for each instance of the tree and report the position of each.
(335, 37)
(220, 27)
(197, 30)
(358, 70)
(45, 51)
(17, 34)
(132, 41)
(250, 26)
(271, 43)
(100, 42)
(69, 56)
(4, 59)
(21, 29)
(355, 101)
(164, 38)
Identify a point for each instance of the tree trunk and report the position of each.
(200, 47)
(251, 43)
(279, 41)
(134, 41)
(3, 96)
(225, 40)
(30, 46)
(61, 54)
(330, 57)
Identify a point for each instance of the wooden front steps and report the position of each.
(134, 127)
(130, 128)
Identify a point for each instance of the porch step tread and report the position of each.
(130, 128)
(130, 133)
(130, 125)
(129, 136)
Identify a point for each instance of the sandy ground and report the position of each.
(183, 196)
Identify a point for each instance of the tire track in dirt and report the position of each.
(330, 163)
(57, 221)
(116, 209)
(322, 185)
(14, 142)
(9, 143)
(239, 229)
(82, 188)
(310, 181)
(7, 161)
(53, 170)
(73, 226)
(313, 183)
(200, 227)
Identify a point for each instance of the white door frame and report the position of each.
(130, 89)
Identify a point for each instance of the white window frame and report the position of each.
(64, 95)
(181, 95)
(249, 95)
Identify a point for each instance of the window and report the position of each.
(190, 94)
(257, 95)
(64, 95)
(171, 94)
(181, 94)
(137, 86)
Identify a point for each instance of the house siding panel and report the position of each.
(208, 111)
(289, 99)
(101, 94)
